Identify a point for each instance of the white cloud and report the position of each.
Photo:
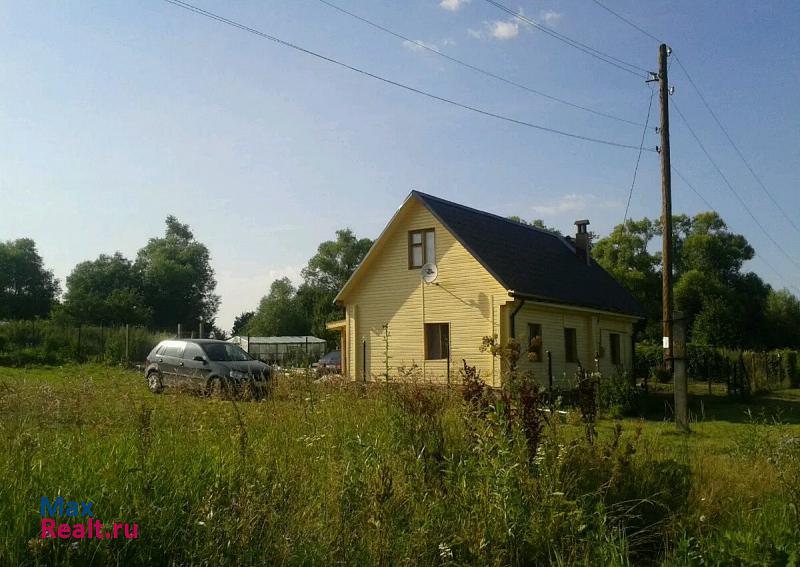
(550, 17)
(418, 45)
(453, 5)
(573, 202)
(502, 30)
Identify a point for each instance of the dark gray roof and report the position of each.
(532, 262)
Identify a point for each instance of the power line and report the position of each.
(713, 115)
(692, 187)
(638, 156)
(735, 147)
(435, 51)
(596, 53)
(711, 207)
(213, 16)
(626, 20)
(728, 183)
(719, 123)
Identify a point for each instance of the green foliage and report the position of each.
(240, 323)
(177, 278)
(278, 313)
(27, 289)
(758, 371)
(617, 394)
(106, 291)
(25, 343)
(326, 273)
(625, 255)
(725, 306)
(782, 311)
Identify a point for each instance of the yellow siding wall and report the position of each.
(465, 295)
(592, 334)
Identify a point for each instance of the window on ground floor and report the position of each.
(437, 341)
(614, 345)
(570, 344)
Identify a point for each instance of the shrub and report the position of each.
(617, 395)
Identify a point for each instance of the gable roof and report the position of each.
(532, 262)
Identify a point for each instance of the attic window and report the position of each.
(421, 248)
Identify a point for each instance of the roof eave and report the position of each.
(339, 299)
(551, 301)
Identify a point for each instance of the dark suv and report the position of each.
(202, 363)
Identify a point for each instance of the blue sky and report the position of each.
(115, 114)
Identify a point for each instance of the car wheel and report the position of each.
(154, 382)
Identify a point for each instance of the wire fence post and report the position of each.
(127, 344)
(79, 342)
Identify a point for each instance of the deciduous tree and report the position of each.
(178, 280)
(27, 289)
(108, 290)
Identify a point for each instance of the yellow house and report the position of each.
(442, 276)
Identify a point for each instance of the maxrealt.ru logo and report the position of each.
(87, 528)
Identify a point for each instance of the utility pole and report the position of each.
(679, 378)
(666, 208)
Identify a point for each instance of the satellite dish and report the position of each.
(429, 272)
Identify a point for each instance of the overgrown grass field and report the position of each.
(405, 475)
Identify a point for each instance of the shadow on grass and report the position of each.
(782, 406)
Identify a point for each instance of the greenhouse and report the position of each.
(284, 351)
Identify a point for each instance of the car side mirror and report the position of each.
(199, 358)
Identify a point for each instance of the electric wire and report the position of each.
(728, 184)
(468, 65)
(736, 147)
(711, 207)
(638, 156)
(596, 53)
(232, 23)
(730, 140)
(713, 114)
(626, 20)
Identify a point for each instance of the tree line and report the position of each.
(725, 305)
(171, 281)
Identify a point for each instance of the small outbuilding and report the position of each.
(285, 351)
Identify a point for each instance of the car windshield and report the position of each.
(219, 352)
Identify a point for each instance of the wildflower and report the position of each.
(445, 552)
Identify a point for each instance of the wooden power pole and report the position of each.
(666, 208)
(680, 383)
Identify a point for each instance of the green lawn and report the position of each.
(335, 474)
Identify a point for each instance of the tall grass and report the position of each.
(388, 474)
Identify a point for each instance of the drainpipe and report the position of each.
(513, 318)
